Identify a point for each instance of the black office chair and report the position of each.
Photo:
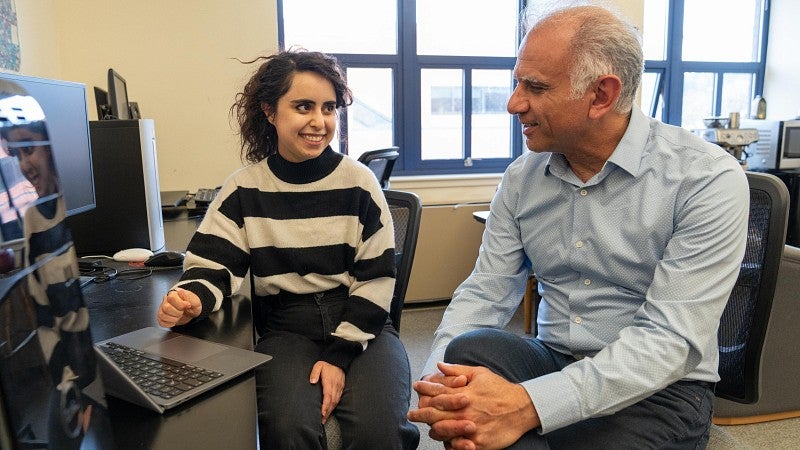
(406, 210)
(381, 162)
(744, 322)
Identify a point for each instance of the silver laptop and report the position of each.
(159, 369)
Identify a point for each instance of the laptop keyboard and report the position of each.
(156, 375)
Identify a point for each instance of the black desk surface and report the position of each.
(224, 418)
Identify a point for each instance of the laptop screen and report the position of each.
(51, 393)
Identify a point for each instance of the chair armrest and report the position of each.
(791, 253)
(789, 271)
(780, 360)
(788, 274)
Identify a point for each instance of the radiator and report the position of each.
(447, 247)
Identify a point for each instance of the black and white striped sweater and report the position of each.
(301, 228)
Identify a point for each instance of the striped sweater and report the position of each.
(301, 228)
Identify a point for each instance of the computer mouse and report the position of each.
(132, 255)
(165, 259)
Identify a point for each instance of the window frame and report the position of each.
(673, 69)
(407, 67)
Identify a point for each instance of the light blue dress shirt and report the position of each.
(635, 267)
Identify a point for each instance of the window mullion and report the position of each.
(675, 70)
(466, 117)
(410, 122)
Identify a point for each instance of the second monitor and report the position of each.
(128, 212)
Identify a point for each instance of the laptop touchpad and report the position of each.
(185, 349)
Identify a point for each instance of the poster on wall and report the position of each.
(9, 36)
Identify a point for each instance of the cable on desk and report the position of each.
(96, 257)
(101, 274)
(134, 274)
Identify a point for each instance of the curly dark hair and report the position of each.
(268, 84)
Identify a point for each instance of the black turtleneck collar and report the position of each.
(306, 171)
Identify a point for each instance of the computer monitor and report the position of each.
(61, 106)
(118, 94)
(51, 392)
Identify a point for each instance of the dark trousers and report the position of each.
(677, 417)
(375, 401)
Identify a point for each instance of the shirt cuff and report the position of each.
(341, 353)
(430, 365)
(556, 401)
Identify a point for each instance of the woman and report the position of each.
(314, 231)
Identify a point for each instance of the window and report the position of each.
(703, 58)
(430, 76)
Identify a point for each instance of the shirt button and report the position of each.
(587, 282)
(578, 319)
(584, 192)
(579, 244)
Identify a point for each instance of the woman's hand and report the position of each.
(332, 378)
(178, 307)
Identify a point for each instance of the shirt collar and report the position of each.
(307, 171)
(628, 153)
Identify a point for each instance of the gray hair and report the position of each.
(604, 43)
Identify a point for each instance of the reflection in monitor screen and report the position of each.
(27, 170)
(64, 105)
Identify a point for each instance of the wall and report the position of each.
(179, 59)
(38, 53)
(783, 61)
(446, 251)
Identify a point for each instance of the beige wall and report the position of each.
(783, 61)
(38, 53)
(179, 59)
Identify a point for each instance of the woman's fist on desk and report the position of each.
(178, 308)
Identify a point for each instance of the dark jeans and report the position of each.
(677, 417)
(375, 401)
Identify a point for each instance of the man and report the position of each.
(635, 231)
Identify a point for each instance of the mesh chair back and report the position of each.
(744, 321)
(406, 210)
(381, 162)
